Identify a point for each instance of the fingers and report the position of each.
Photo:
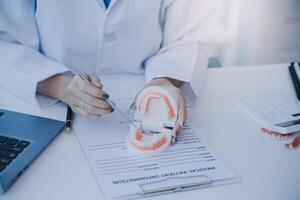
(91, 94)
(95, 80)
(178, 125)
(184, 110)
(90, 100)
(86, 97)
(82, 112)
(181, 117)
(88, 88)
(96, 111)
(175, 131)
(91, 109)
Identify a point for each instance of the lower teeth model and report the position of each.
(156, 114)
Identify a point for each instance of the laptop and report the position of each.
(22, 138)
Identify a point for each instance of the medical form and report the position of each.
(122, 174)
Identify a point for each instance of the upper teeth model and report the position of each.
(156, 114)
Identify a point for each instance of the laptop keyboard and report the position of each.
(10, 148)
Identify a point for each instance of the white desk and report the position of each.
(268, 170)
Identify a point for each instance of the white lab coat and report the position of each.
(161, 38)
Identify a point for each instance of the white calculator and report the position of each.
(272, 111)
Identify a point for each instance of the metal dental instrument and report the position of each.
(114, 106)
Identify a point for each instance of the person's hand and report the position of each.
(84, 97)
(182, 111)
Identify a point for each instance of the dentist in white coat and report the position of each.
(42, 41)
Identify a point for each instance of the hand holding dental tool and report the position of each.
(156, 116)
(129, 120)
(113, 106)
(86, 97)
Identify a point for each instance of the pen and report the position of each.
(295, 79)
(69, 119)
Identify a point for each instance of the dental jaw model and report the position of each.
(156, 114)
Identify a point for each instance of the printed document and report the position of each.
(121, 173)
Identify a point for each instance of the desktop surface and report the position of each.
(268, 170)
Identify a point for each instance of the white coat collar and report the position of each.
(111, 4)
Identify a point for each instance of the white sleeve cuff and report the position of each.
(25, 87)
(45, 101)
(189, 93)
(21, 73)
(192, 76)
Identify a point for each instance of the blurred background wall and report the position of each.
(252, 32)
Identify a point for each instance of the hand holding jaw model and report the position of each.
(156, 115)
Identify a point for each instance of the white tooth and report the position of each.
(277, 136)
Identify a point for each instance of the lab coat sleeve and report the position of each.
(188, 33)
(22, 65)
